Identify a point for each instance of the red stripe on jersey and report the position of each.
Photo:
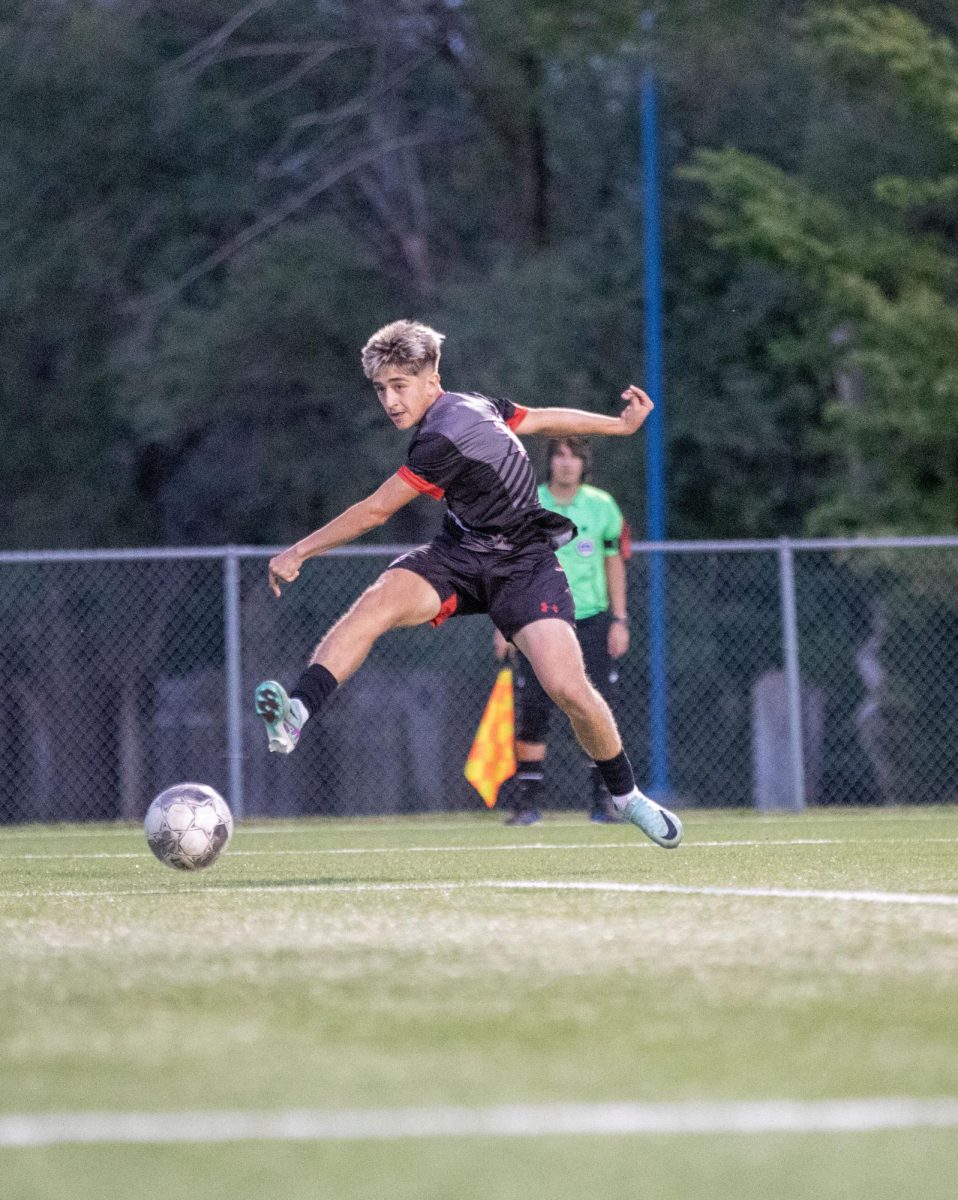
(420, 484)
(517, 417)
(625, 541)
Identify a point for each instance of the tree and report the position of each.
(253, 421)
(878, 269)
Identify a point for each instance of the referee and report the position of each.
(594, 565)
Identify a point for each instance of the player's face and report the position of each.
(566, 467)
(406, 396)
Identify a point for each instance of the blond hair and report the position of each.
(408, 345)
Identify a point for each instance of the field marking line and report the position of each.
(632, 844)
(373, 824)
(933, 899)
(507, 1120)
(483, 849)
(300, 828)
(940, 899)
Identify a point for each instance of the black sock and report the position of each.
(314, 688)
(529, 776)
(617, 774)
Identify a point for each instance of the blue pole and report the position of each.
(655, 439)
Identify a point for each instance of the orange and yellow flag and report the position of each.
(492, 759)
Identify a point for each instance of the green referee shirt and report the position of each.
(599, 520)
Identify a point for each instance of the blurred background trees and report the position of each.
(207, 206)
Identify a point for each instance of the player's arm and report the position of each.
(559, 422)
(367, 514)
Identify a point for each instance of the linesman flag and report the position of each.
(492, 759)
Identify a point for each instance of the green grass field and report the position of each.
(414, 964)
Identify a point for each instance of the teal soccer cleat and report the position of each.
(656, 822)
(284, 718)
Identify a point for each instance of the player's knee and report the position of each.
(576, 697)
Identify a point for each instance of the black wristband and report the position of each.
(620, 620)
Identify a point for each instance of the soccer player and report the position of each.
(594, 567)
(495, 553)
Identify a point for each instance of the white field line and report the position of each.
(631, 844)
(933, 899)
(521, 846)
(861, 897)
(307, 825)
(512, 1120)
(374, 824)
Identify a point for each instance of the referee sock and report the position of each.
(314, 688)
(529, 776)
(618, 778)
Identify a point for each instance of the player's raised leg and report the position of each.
(398, 598)
(554, 654)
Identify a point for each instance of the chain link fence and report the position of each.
(797, 672)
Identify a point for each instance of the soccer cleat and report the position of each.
(656, 822)
(524, 816)
(284, 718)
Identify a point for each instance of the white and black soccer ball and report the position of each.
(188, 826)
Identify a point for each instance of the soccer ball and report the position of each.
(188, 826)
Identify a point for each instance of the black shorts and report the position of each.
(514, 587)
(533, 706)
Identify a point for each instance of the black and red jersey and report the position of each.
(465, 452)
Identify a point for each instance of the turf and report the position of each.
(417, 962)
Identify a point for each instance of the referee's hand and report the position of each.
(618, 642)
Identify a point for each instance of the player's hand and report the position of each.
(283, 568)
(618, 640)
(500, 647)
(637, 408)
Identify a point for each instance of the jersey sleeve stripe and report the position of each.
(625, 540)
(517, 417)
(420, 484)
